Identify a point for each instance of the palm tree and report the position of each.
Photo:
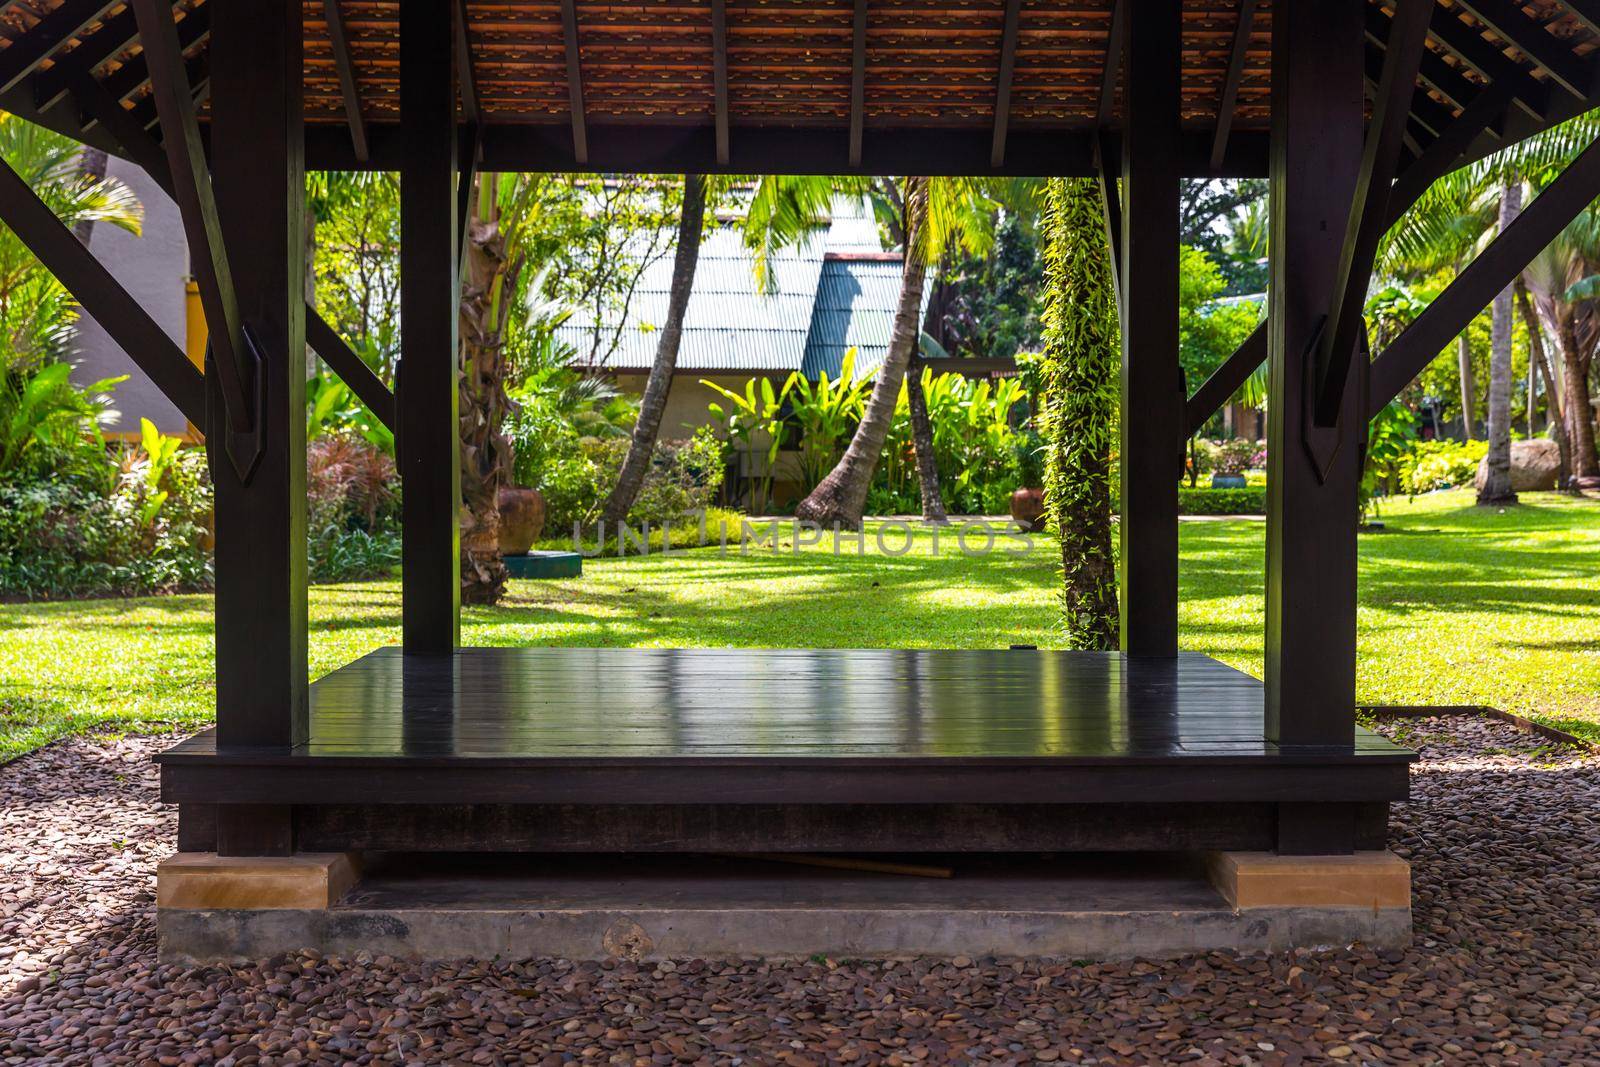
(691, 221)
(927, 217)
(36, 313)
(1080, 398)
(1497, 463)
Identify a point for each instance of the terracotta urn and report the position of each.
(521, 519)
(1027, 507)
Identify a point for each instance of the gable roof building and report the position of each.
(835, 291)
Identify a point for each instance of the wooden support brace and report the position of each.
(1116, 33)
(719, 76)
(351, 368)
(466, 67)
(858, 80)
(1226, 379)
(1230, 87)
(92, 286)
(234, 352)
(1494, 268)
(569, 33)
(1367, 218)
(347, 79)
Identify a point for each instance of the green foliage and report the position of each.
(1208, 331)
(680, 533)
(1204, 500)
(1234, 456)
(1431, 465)
(36, 313)
(825, 414)
(352, 509)
(752, 424)
(987, 306)
(332, 408)
(1080, 401)
(1390, 436)
(683, 476)
(50, 426)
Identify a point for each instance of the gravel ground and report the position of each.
(1503, 833)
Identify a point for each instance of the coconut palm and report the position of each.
(653, 405)
(926, 217)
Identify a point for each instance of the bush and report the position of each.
(684, 476)
(352, 509)
(1431, 465)
(1201, 500)
(149, 534)
(1235, 456)
(679, 534)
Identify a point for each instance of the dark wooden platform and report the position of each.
(661, 749)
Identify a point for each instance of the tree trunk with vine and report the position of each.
(654, 403)
(1080, 402)
(1552, 395)
(841, 498)
(488, 280)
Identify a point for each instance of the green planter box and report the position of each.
(537, 564)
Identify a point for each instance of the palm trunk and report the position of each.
(488, 280)
(922, 442)
(1497, 462)
(1575, 401)
(841, 497)
(654, 403)
(1469, 386)
(1552, 393)
(1080, 400)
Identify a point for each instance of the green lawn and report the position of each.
(1458, 605)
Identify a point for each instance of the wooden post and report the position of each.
(427, 400)
(1152, 396)
(1317, 120)
(257, 166)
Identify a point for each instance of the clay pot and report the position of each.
(521, 519)
(1027, 507)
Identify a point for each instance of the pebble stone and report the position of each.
(1503, 831)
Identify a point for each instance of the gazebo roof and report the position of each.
(725, 84)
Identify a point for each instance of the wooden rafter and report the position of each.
(1443, 153)
(1489, 272)
(1489, 61)
(1510, 24)
(114, 35)
(23, 56)
(134, 75)
(1230, 86)
(347, 79)
(101, 295)
(1380, 158)
(858, 80)
(197, 70)
(1008, 64)
(1587, 12)
(569, 31)
(719, 76)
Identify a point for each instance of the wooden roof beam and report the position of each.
(466, 66)
(1587, 12)
(347, 78)
(115, 34)
(1008, 65)
(1115, 36)
(23, 55)
(1441, 155)
(580, 132)
(1508, 22)
(858, 81)
(1230, 87)
(719, 76)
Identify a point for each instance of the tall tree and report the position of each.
(1497, 463)
(1080, 402)
(691, 221)
(1557, 428)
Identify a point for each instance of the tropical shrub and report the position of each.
(352, 509)
(683, 478)
(1234, 457)
(1430, 465)
(752, 424)
(825, 414)
(558, 423)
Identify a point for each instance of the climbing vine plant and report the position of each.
(1079, 400)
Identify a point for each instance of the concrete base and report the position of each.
(204, 880)
(644, 908)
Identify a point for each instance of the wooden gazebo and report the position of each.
(1350, 107)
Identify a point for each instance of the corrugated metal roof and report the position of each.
(729, 326)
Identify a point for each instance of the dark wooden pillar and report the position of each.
(258, 177)
(1317, 127)
(426, 397)
(1152, 399)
